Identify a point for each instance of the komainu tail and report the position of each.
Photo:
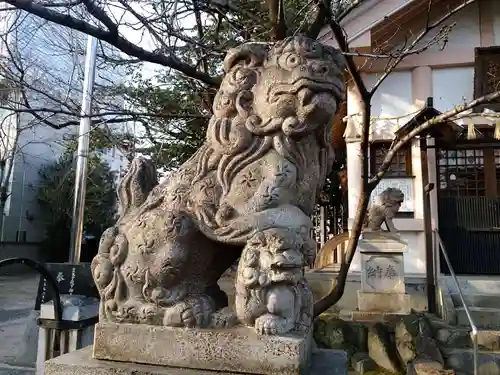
(136, 185)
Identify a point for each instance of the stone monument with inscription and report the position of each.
(246, 194)
(382, 266)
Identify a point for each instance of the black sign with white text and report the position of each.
(70, 278)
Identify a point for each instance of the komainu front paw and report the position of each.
(223, 318)
(195, 315)
(269, 324)
(195, 312)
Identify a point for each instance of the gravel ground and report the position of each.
(17, 300)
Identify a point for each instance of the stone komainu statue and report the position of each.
(383, 210)
(247, 192)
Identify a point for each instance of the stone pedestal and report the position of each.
(237, 349)
(382, 274)
(323, 362)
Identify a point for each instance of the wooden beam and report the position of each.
(429, 250)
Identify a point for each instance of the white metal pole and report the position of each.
(82, 153)
(21, 208)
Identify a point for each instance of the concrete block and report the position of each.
(384, 302)
(362, 363)
(460, 338)
(237, 349)
(427, 367)
(373, 317)
(75, 308)
(489, 340)
(486, 318)
(28, 351)
(477, 300)
(323, 362)
(328, 362)
(454, 338)
(16, 370)
(462, 360)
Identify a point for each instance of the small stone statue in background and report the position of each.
(383, 210)
(248, 191)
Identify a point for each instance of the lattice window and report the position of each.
(461, 173)
(401, 163)
(496, 153)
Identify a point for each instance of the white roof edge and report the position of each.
(362, 9)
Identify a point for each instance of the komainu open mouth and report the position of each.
(286, 266)
(305, 89)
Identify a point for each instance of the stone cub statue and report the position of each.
(383, 210)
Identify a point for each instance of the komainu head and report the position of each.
(293, 87)
(390, 198)
(383, 209)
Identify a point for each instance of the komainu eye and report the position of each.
(292, 60)
(289, 60)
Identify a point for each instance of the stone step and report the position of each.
(460, 338)
(477, 300)
(486, 285)
(484, 317)
(461, 360)
(6, 369)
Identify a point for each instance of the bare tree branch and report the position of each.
(100, 15)
(407, 51)
(114, 39)
(318, 23)
(401, 142)
(277, 17)
(344, 47)
(364, 194)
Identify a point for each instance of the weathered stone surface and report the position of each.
(371, 316)
(328, 362)
(382, 266)
(248, 193)
(413, 335)
(461, 338)
(362, 363)
(427, 348)
(384, 302)
(479, 295)
(427, 367)
(405, 343)
(321, 281)
(8, 370)
(324, 362)
(335, 333)
(454, 337)
(462, 360)
(489, 340)
(332, 332)
(238, 349)
(382, 350)
(382, 272)
(484, 317)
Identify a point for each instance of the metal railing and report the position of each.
(440, 246)
(58, 309)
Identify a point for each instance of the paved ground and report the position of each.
(17, 299)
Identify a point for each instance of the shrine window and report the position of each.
(487, 75)
(401, 163)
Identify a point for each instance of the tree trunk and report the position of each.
(364, 197)
(3, 197)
